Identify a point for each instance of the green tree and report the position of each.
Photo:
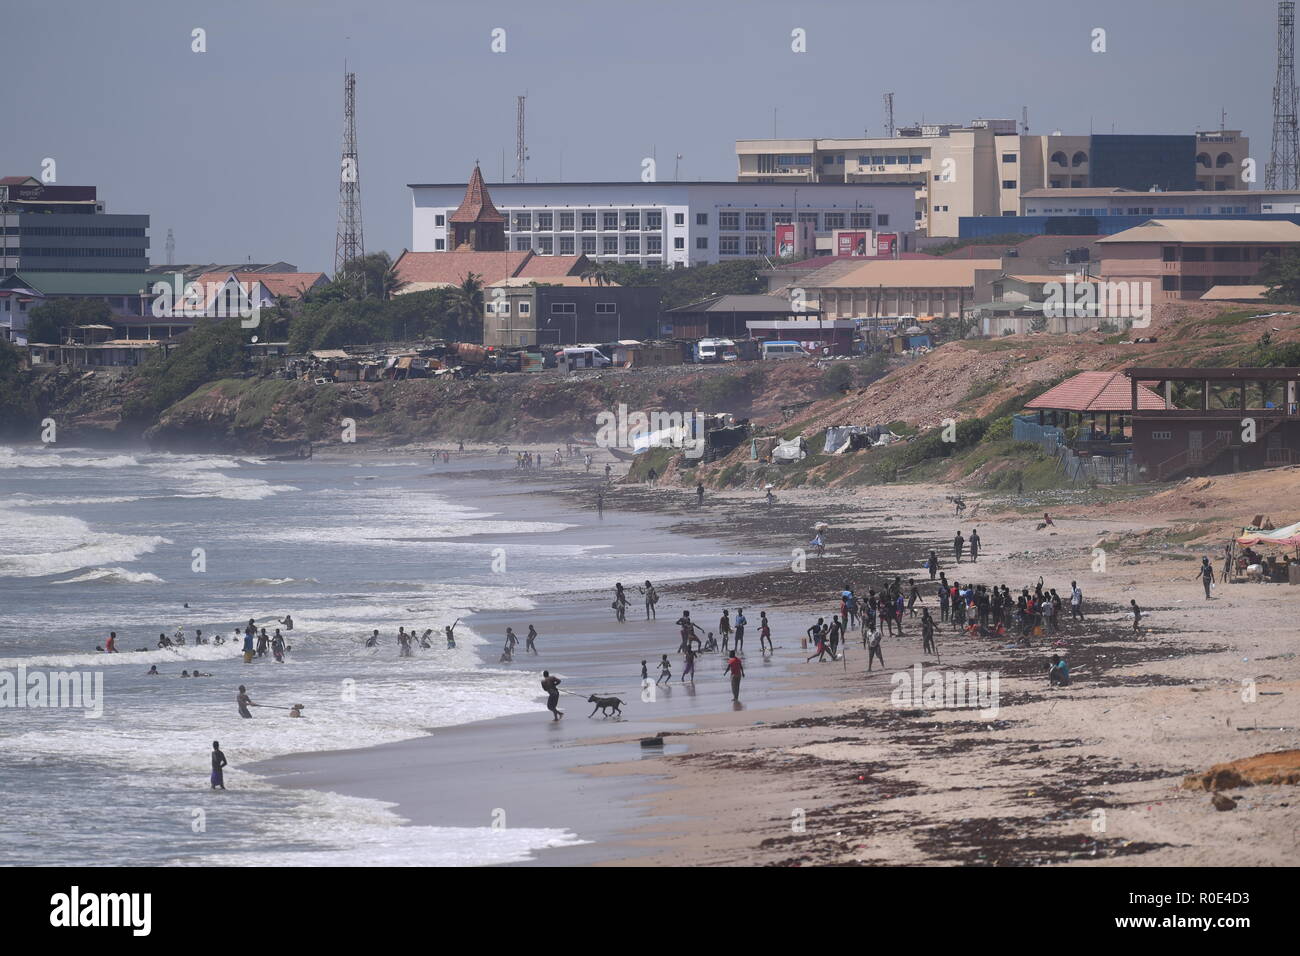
(213, 349)
(466, 305)
(50, 321)
(1282, 276)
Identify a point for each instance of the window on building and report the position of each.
(588, 245)
(1169, 283)
(834, 220)
(566, 245)
(701, 219)
(1161, 436)
(1009, 157)
(632, 245)
(523, 221)
(728, 220)
(566, 222)
(883, 219)
(440, 220)
(1193, 254)
(1008, 184)
(810, 218)
(654, 219)
(545, 245)
(545, 221)
(1227, 254)
(729, 245)
(523, 243)
(679, 242)
(564, 308)
(860, 220)
(606, 308)
(654, 244)
(631, 220)
(679, 219)
(439, 245)
(609, 245)
(755, 245)
(756, 220)
(588, 221)
(609, 220)
(839, 160)
(701, 242)
(525, 308)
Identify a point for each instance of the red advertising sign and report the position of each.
(851, 244)
(885, 243)
(785, 245)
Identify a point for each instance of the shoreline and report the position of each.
(876, 784)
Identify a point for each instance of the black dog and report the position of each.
(604, 705)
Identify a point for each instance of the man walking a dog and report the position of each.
(552, 687)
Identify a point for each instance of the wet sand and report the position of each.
(819, 768)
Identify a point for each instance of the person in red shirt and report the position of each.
(737, 671)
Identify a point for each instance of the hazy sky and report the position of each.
(237, 149)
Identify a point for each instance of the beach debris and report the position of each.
(1223, 803)
(1276, 767)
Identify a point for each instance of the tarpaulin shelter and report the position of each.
(1288, 537)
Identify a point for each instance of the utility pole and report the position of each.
(349, 241)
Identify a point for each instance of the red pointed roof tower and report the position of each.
(476, 225)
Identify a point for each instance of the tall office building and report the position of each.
(45, 228)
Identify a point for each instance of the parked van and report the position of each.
(714, 350)
(783, 350)
(582, 356)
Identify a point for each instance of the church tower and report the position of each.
(477, 226)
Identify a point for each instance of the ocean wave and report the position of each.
(113, 576)
(11, 457)
(35, 545)
(275, 582)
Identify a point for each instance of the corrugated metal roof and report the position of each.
(1208, 230)
(1235, 293)
(88, 283)
(1096, 392)
(914, 273)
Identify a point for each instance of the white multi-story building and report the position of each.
(667, 224)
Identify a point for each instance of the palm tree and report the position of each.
(601, 273)
(467, 305)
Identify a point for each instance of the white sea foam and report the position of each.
(112, 576)
(35, 545)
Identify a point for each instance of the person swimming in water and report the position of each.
(451, 634)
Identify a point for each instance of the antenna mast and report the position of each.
(349, 242)
(521, 149)
(889, 115)
(1282, 166)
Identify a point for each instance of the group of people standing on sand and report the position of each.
(620, 602)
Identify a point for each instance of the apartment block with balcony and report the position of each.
(1186, 258)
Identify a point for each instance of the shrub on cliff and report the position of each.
(210, 351)
(17, 403)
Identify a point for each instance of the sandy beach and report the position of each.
(817, 765)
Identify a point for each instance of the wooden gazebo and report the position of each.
(1092, 394)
